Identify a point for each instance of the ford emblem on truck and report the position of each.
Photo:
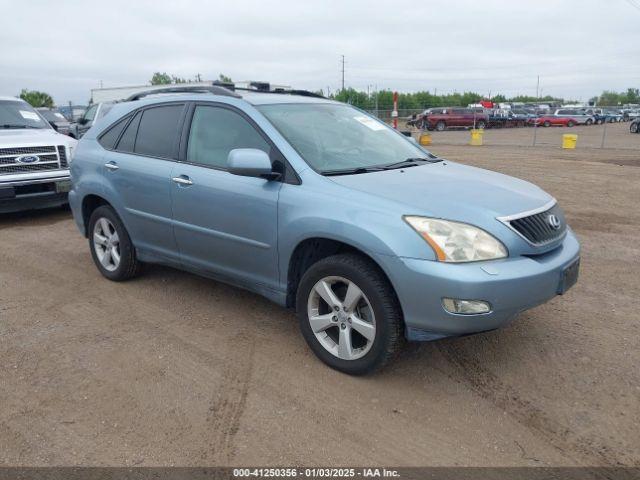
(28, 159)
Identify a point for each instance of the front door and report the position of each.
(225, 223)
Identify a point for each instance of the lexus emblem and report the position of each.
(553, 221)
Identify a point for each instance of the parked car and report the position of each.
(613, 116)
(578, 116)
(554, 121)
(58, 121)
(321, 208)
(34, 159)
(634, 127)
(90, 116)
(442, 118)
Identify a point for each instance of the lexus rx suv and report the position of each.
(321, 208)
(34, 159)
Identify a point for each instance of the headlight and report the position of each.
(457, 242)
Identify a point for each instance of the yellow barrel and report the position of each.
(476, 136)
(569, 140)
(425, 139)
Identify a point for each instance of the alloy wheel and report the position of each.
(106, 243)
(341, 318)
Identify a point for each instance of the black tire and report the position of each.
(588, 122)
(570, 124)
(129, 266)
(546, 123)
(480, 125)
(375, 286)
(441, 126)
(633, 128)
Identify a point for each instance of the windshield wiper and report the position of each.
(16, 125)
(352, 171)
(410, 162)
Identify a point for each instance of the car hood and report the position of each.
(451, 191)
(29, 137)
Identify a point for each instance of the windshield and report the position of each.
(19, 114)
(333, 137)
(52, 115)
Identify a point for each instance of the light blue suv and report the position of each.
(321, 208)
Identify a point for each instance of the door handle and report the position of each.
(182, 180)
(112, 166)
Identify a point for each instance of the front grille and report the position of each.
(50, 158)
(539, 228)
(63, 156)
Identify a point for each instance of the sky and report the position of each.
(578, 47)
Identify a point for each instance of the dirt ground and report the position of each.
(173, 369)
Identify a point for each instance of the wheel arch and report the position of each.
(310, 251)
(89, 203)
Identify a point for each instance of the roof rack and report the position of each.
(213, 89)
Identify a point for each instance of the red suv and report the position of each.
(442, 118)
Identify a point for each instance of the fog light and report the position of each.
(465, 307)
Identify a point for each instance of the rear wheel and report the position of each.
(546, 123)
(349, 314)
(570, 124)
(588, 122)
(481, 125)
(633, 128)
(110, 245)
(441, 126)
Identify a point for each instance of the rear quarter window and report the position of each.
(110, 137)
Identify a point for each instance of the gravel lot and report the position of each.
(173, 369)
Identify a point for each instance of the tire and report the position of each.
(105, 224)
(570, 124)
(441, 126)
(633, 128)
(546, 123)
(481, 125)
(377, 299)
(588, 122)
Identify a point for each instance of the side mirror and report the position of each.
(250, 162)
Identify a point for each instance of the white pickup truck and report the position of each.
(34, 159)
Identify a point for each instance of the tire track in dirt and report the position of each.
(229, 402)
(584, 451)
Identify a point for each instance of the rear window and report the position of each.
(157, 131)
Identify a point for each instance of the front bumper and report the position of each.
(34, 193)
(511, 286)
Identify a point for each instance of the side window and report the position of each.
(104, 110)
(215, 131)
(110, 137)
(157, 131)
(128, 139)
(90, 113)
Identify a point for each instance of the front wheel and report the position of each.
(633, 128)
(588, 122)
(547, 123)
(441, 126)
(570, 124)
(481, 125)
(349, 314)
(110, 245)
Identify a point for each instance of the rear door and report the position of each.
(138, 174)
(225, 223)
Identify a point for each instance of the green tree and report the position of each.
(36, 99)
(224, 79)
(160, 78)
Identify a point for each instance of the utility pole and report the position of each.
(538, 88)
(342, 72)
